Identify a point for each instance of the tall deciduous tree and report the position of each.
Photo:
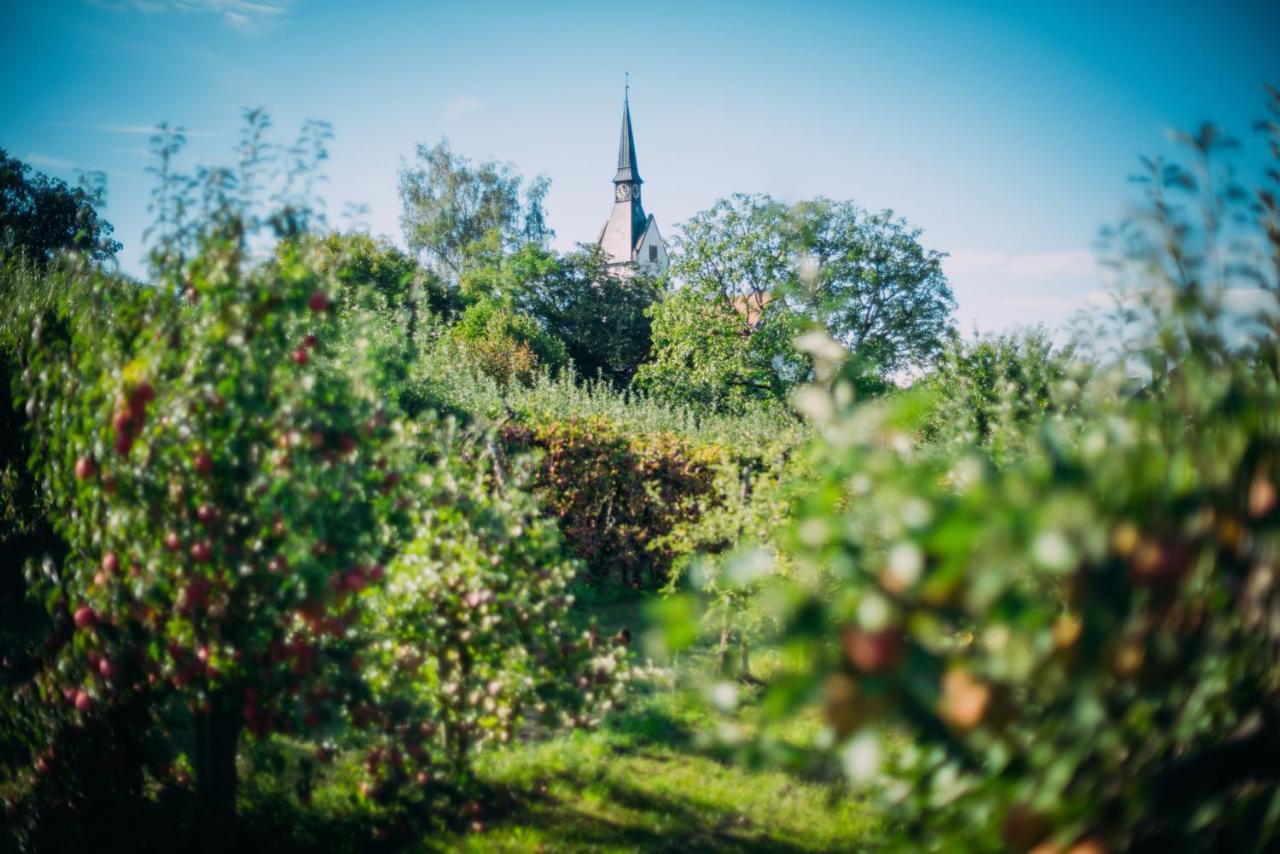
(864, 276)
(41, 216)
(454, 207)
(874, 287)
(600, 318)
(708, 353)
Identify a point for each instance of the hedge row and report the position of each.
(617, 495)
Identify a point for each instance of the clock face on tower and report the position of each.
(625, 192)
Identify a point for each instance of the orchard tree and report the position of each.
(506, 344)
(452, 206)
(41, 216)
(740, 247)
(1074, 648)
(224, 486)
(378, 276)
(987, 390)
(477, 639)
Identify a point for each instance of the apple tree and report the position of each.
(224, 487)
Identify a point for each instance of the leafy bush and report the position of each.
(473, 632)
(987, 390)
(712, 354)
(447, 377)
(506, 345)
(616, 494)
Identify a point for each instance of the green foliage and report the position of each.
(445, 375)
(505, 344)
(474, 632)
(863, 277)
(456, 211)
(41, 216)
(1076, 643)
(986, 391)
(710, 355)
(871, 284)
(616, 495)
(728, 550)
(601, 319)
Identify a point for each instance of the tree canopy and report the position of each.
(454, 207)
(42, 216)
(864, 277)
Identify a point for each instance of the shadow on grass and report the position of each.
(684, 823)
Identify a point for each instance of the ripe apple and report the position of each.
(123, 444)
(122, 421)
(84, 617)
(141, 395)
(203, 463)
(110, 562)
(873, 652)
(1262, 495)
(300, 356)
(107, 669)
(171, 541)
(205, 514)
(965, 700)
(85, 468)
(1158, 562)
(310, 341)
(318, 302)
(83, 702)
(201, 552)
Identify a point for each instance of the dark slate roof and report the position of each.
(628, 172)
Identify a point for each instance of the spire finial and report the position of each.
(626, 87)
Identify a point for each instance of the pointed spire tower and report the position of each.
(630, 239)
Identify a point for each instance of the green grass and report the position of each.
(649, 781)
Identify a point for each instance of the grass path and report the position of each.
(643, 783)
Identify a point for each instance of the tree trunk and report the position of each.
(745, 672)
(411, 333)
(217, 738)
(725, 637)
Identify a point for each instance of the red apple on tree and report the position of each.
(84, 617)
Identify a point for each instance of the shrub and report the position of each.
(616, 494)
(506, 345)
(474, 637)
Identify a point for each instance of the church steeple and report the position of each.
(628, 172)
(630, 238)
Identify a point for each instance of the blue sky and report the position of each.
(1005, 130)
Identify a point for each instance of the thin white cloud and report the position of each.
(1065, 262)
(456, 108)
(244, 15)
(47, 161)
(133, 130)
